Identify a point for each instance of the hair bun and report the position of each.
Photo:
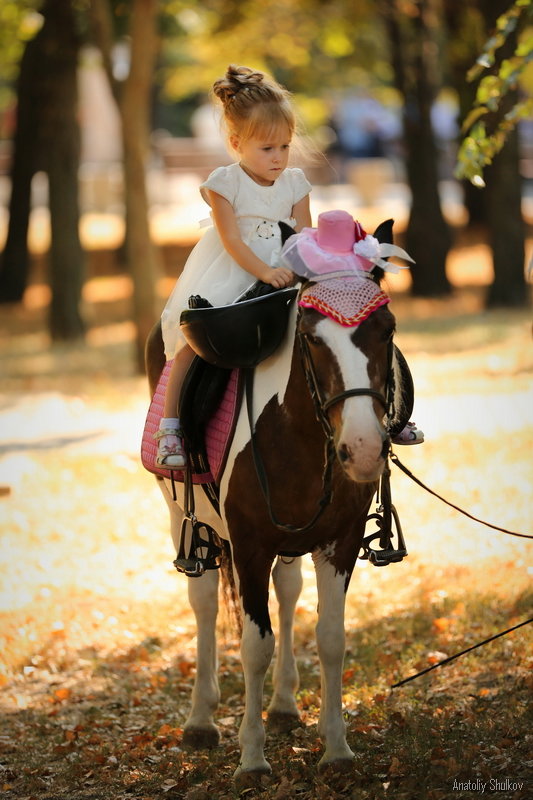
(235, 80)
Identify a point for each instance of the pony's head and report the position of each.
(350, 368)
(345, 329)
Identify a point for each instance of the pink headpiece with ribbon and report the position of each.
(338, 257)
(339, 247)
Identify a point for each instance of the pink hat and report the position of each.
(338, 247)
(338, 232)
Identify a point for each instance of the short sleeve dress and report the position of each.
(210, 271)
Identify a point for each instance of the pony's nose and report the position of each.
(343, 453)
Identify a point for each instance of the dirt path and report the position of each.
(97, 642)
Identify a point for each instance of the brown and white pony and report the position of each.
(350, 367)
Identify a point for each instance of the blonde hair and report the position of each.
(254, 104)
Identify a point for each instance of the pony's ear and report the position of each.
(286, 231)
(383, 232)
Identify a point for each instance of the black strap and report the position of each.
(261, 472)
(354, 393)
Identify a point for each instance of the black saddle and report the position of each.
(241, 334)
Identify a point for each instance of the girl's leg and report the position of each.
(180, 365)
(170, 452)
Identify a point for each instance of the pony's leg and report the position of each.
(200, 730)
(257, 648)
(331, 587)
(283, 712)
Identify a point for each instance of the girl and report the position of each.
(247, 200)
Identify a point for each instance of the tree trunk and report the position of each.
(414, 56)
(134, 102)
(428, 236)
(497, 206)
(15, 263)
(135, 114)
(503, 196)
(62, 137)
(47, 138)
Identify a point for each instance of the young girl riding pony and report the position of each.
(247, 198)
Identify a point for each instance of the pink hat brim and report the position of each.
(306, 258)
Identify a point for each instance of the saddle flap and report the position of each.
(209, 403)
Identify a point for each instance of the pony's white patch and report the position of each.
(361, 433)
(271, 378)
(352, 362)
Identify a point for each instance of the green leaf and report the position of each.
(472, 117)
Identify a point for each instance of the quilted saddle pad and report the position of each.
(218, 432)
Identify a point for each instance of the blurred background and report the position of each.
(107, 129)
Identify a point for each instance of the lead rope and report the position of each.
(462, 653)
(395, 460)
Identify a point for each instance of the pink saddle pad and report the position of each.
(219, 430)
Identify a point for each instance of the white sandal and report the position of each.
(170, 452)
(410, 435)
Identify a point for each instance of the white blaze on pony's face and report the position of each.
(341, 365)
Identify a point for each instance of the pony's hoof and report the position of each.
(282, 722)
(201, 738)
(339, 766)
(252, 778)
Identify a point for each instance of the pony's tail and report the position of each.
(229, 593)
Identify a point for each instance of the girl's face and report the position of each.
(264, 159)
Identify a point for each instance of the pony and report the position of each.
(307, 455)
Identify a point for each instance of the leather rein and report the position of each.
(322, 408)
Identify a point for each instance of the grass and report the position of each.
(97, 641)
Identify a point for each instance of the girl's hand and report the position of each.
(278, 277)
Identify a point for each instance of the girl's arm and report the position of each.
(302, 213)
(226, 223)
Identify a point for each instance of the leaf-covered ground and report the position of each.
(97, 641)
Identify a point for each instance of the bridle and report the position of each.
(322, 407)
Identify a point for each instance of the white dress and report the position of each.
(210, 271)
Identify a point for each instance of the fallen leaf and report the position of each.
(395, 767)
(348, 674)
(441, 624)
(61, 694)
(434, 656)
(168, 785)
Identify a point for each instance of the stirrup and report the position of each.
(388, 524)
(203, 553)
(195, 554)
(387, 553)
